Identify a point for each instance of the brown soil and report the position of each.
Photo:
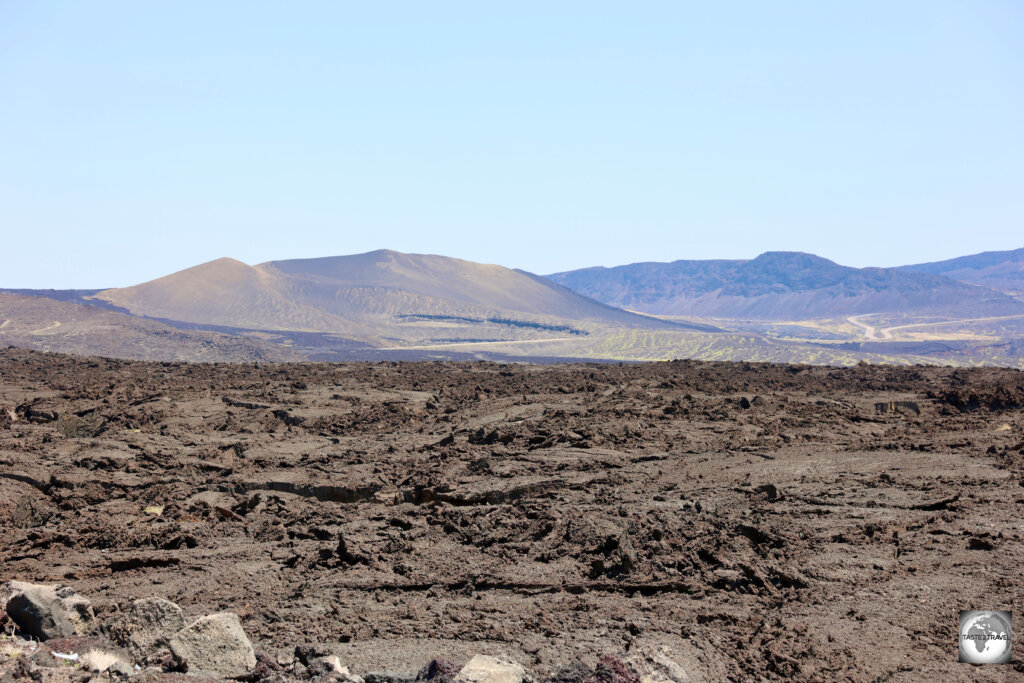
(776, 522)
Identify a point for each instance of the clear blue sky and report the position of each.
(139, 138)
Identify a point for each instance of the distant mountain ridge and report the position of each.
(385, 305)
(780, 285)
(999, 270)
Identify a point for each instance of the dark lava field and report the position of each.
(749, 521)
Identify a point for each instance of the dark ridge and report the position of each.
(497, 321)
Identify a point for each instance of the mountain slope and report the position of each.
(229, 293)
(377, 296)
(46, 324)
(779, 285)
(390, 283)
(999, 270)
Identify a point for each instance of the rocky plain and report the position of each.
(479, 522)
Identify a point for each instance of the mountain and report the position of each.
(378, 298)
(780, 286)
(385, 305)
(999, 270)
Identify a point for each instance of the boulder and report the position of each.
(38, 613)
(487, 669)
(147, 625)
(214, 645)
(45, 612)
(656, 665)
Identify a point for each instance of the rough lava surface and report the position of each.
(724, 520)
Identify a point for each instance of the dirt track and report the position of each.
(775, 522)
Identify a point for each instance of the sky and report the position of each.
(140, 138)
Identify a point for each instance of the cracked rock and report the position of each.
(147, 625)
(487, 669)
(214, 645)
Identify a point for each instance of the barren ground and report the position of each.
(762, 521)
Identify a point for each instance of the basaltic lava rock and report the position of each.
(544, 516)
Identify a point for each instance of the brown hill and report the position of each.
(229, 293)
(375, 297)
